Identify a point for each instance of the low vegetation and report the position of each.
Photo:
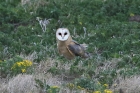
(28, 46)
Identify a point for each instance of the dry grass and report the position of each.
(24, 83)
(19, 84)
(128, 85)
(122, 85)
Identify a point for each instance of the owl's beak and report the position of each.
(63, 37)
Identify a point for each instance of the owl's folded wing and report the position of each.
(83, 45)
(78, 49)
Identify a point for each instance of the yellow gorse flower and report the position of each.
(97, 92)
(79, 87)
(54, 87)
(106, 85)
(23, 65)
(70, 85)
(131, 14)
(27, 63)
(19, 64)
(108, 91)
(23, 70)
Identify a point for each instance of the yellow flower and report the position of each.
(97, 92)
(18, 64)
(108, 91)
(106, 85)
(71, 85)
(54, 87)
(79, 87)
(131, 14)
(27, 62)
(0, 60)
(22, 65)
(23, 70)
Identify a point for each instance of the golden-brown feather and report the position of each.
(63, 48)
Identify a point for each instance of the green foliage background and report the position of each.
(103, 25)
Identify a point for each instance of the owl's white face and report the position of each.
(62, 34)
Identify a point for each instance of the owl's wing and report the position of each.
(77, 49)
(83, 45)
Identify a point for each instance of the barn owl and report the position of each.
(68, 47)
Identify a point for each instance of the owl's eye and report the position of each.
(65, 33)
(59, 33)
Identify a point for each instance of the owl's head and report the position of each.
(62, 34)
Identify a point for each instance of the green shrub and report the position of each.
(15, 66)
(89, 85)
(45, 88)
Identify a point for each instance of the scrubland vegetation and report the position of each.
(30, 63)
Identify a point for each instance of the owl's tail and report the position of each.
(84, 46)
(86, 55)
